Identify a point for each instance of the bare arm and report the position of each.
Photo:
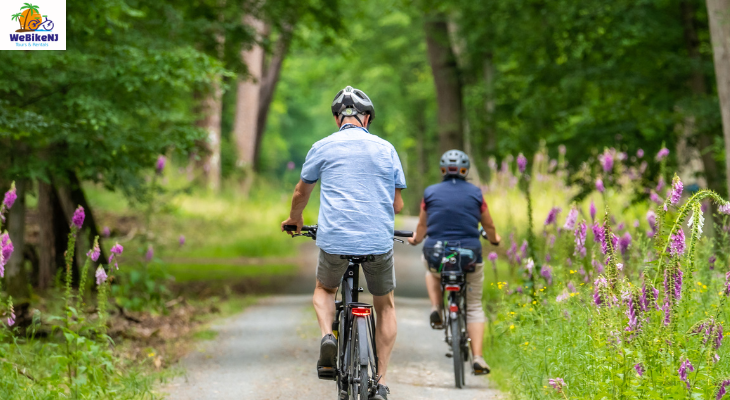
(420, 232)
(398, 201)
(298, 202)
(488, 225)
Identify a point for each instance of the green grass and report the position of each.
(218, 272)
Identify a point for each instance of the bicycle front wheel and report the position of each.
(456, 338)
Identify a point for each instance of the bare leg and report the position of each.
(476, 333)
(324, 306)
(387, 328)
(433, 285)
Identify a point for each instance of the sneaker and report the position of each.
(381, 393)
(436, 321)
(327, 357)
(480, 366)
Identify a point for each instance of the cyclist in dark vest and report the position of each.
(451, 212)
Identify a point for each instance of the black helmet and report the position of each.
(354, 99)
(456, 163)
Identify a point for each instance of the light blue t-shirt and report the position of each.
(359, 173)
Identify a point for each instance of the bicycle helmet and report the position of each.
(350, 102)
(455, 163)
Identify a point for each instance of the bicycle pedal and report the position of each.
(326, 373)
(438, 327)
(343, 395)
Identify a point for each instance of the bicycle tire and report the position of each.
(341, 349)
(361, 360)
(457, 353)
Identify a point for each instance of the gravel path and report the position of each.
(270, 350)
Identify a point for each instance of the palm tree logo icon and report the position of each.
(30, 19)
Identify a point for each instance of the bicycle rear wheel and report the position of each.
(456, 338)
(360, 360)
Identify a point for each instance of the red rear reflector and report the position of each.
(453, 308)
(452, 288)
(361, 311)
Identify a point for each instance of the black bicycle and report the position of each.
(453, 286)
(356, 371)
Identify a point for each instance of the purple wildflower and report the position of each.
(639, 369)
(557, 384)
(593, 211)
(651, 219)
(597, 266)
(562, 297)
(10, 197)
(601, 282)
(117, 249)
(100, 275)
(662, 153)
(548, 257)
(633, 323)
(530, 265)
(181, 240)
(599, 185)
(106, 232)
(655, 198)
(624, 242)
(580, 239)
(667, 313)
(682, 371)
(718, 336)
(290, 165)
(677, 188)
(721, 389)
(571, 219)
(552, 215)
(492, 256)
(660, 184)
(712, 260)
(571, 287)
(11, 319)
(677, 245)
(521, 163)
(523, 249)
(78, 218)
(607, 161)
(636, 223)
(724, 209)
(95, 251)
(150, 253)
(512, 251)
(160, 166)
(727, 283)
(640, 153)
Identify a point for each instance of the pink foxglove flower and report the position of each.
(724, 209)
(290, 165)
(592, 210)
(662, 154)
(571, 219)
(100, 275)
(150, 254)
(10, 197)
(677, 244)
(95, 251)
(607, 161)
(552, 215)
(677, 188)
(521, 163)
(117, 249)
(599, 185)
(640, 153)
(160, 166)
(624, 242)
(557, 384)
(181, 240)
(106, 232)
(639, 369)
(682, 371)
(721, 389)
(78, 218)
(11, 319)
(547, 273)
(655, 198)
(580, 239)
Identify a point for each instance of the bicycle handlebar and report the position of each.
(310, 228)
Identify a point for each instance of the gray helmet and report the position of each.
(356, 101)
(455, 162)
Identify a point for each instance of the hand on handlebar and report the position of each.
(299, 222)
(496, 243)
(412, 240)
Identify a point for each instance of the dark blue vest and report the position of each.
(454, 209)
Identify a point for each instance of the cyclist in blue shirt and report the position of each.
(361, 179)
(451, 212)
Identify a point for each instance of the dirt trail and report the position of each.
(270, 350)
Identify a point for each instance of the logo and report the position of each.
(31, 19)
(33, 26)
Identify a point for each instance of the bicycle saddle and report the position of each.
(358, 259)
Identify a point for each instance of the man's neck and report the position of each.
(351, 121)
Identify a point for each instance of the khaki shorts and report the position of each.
(379, 273)
(474, 289)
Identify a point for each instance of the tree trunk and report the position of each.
(46, 243)
(448, 86)
(268, 86)
(248, 97)
(212, 109)
(15, 276)
(490, 140)
(695, 159)
(719, 16)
